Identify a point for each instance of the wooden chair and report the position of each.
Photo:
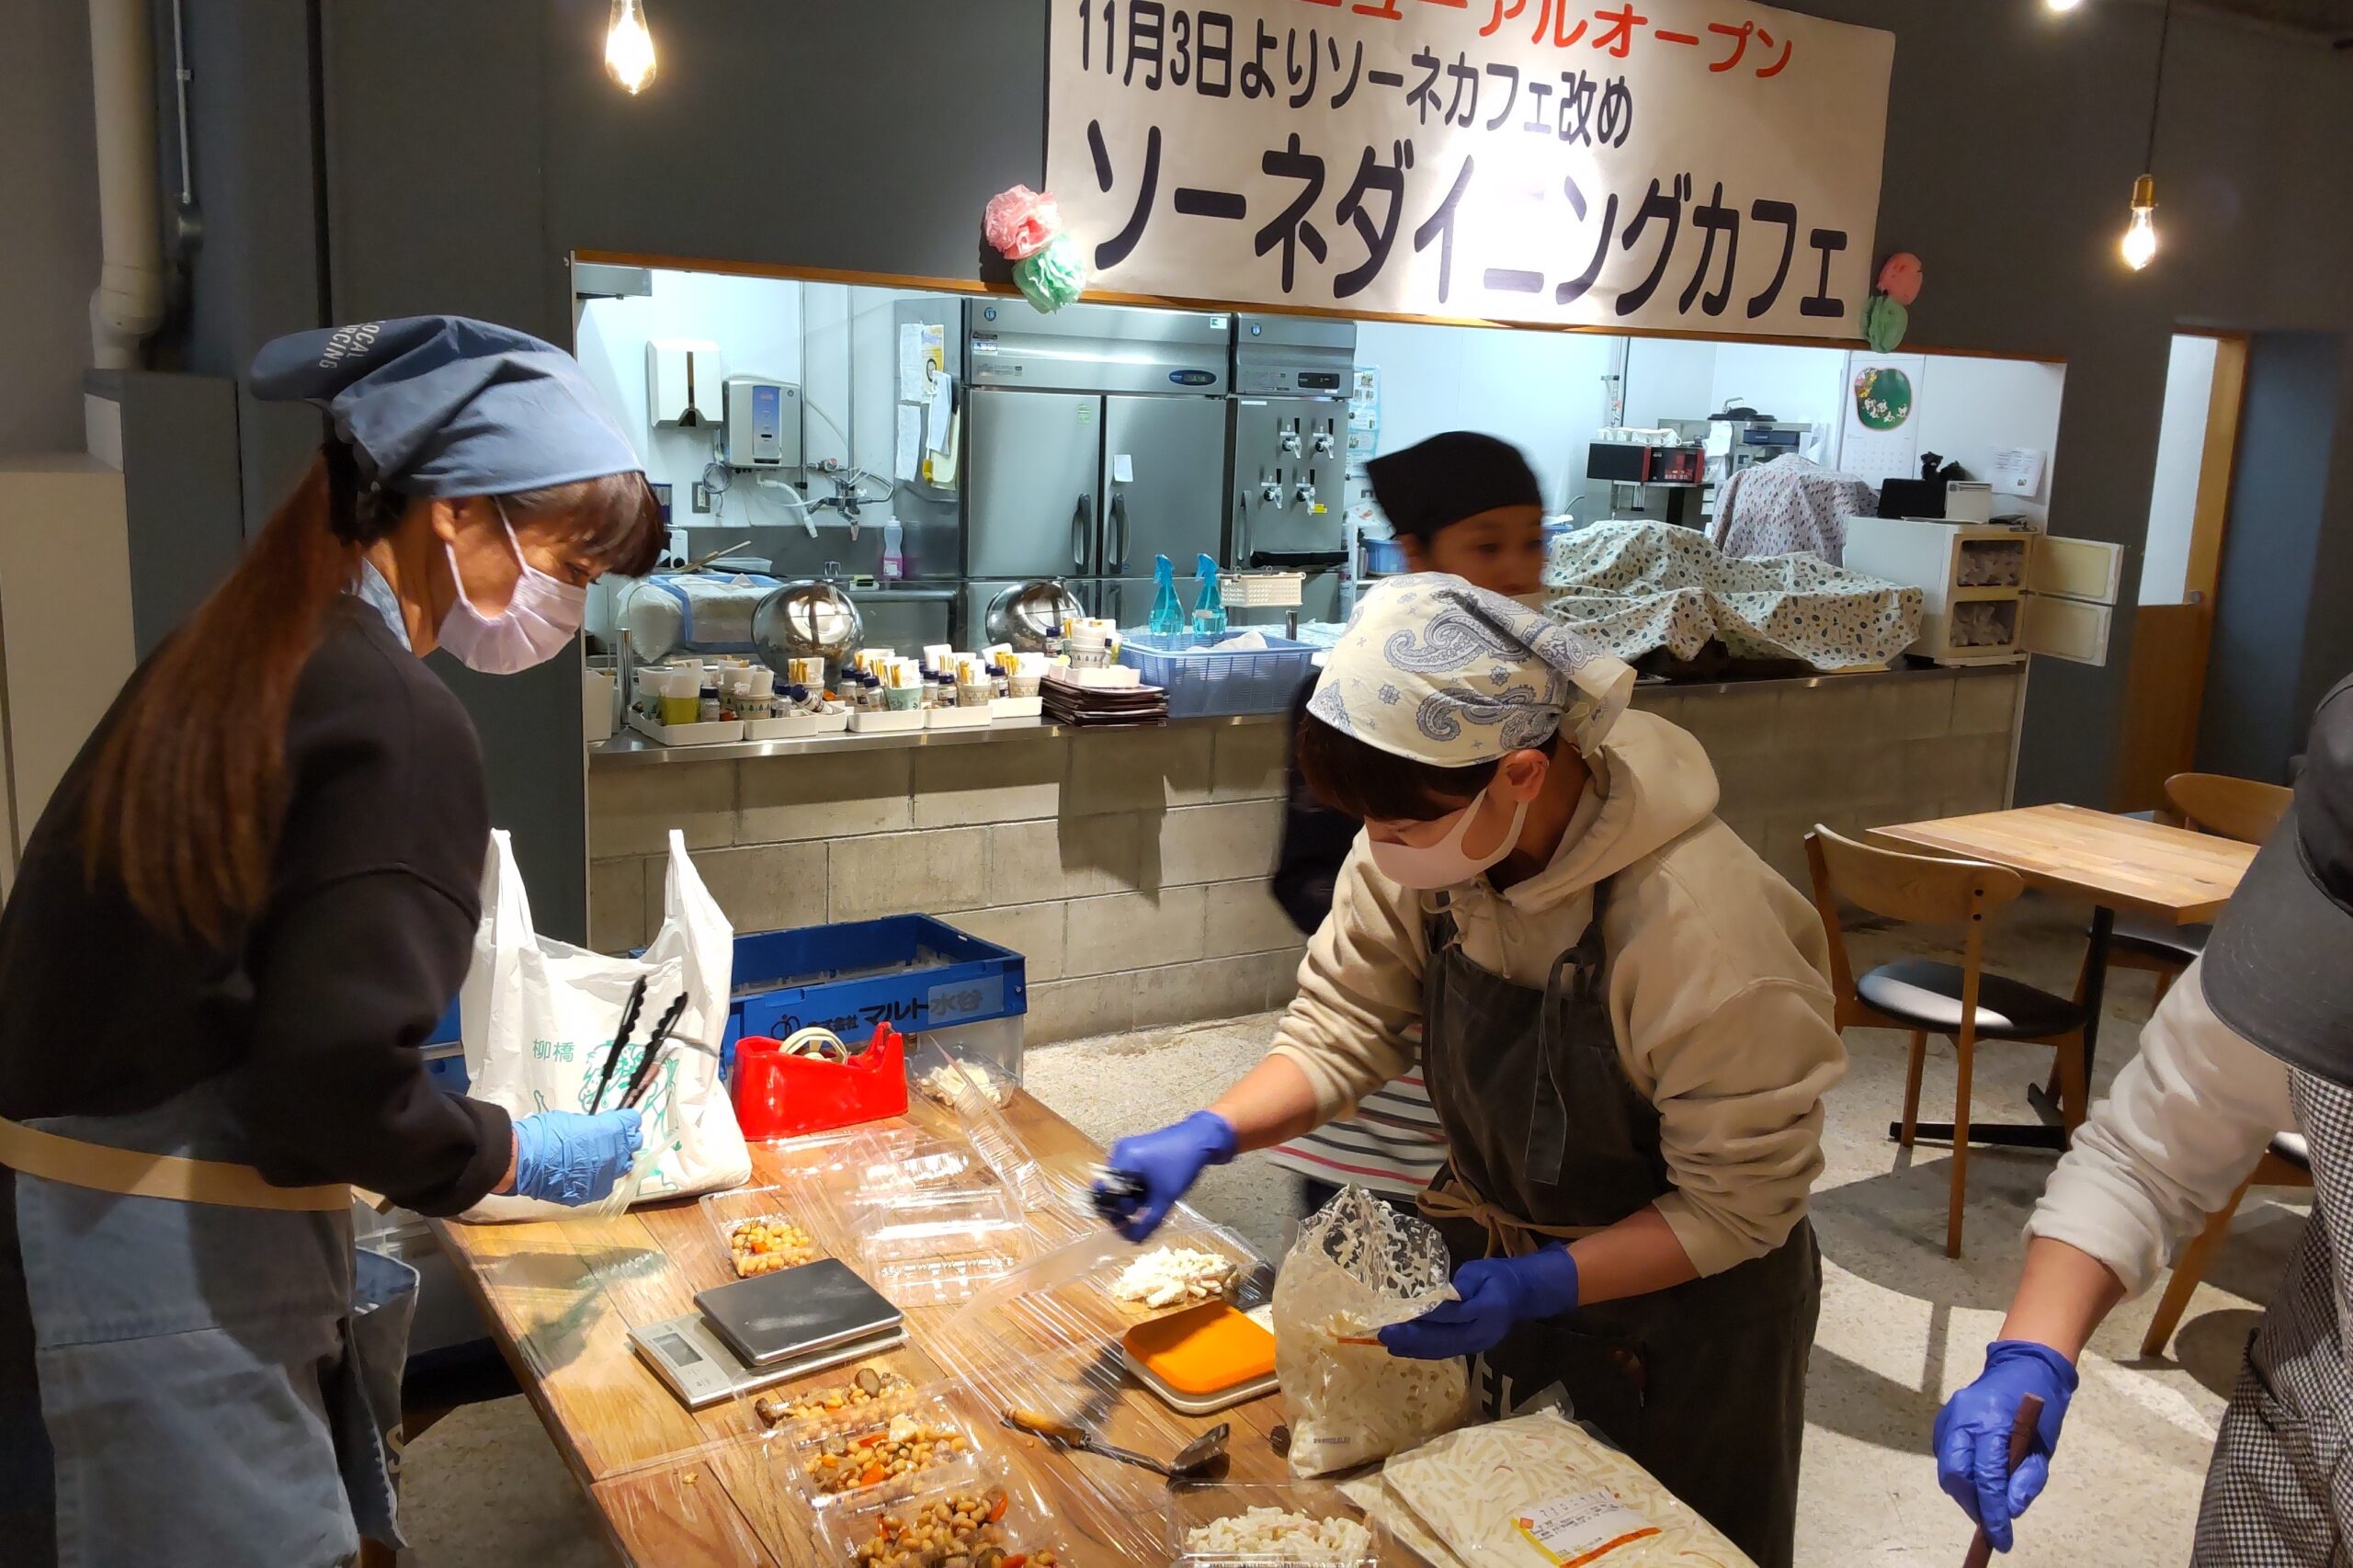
(2285, 1164)
(1922, 996)
(2205, 803)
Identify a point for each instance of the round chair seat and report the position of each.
(2154, 938)
(1926, 995)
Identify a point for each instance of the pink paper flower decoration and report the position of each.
(1019, 221)
(1899, 278)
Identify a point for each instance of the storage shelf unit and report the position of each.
(2058, 598)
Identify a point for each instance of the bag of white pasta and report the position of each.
(1358, 1266)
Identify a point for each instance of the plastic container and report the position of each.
(1193, 1504)
(845, 1444)
(900, 1160)
(1202, 683)
(1030, 1527)
(717, 733)
(1382, 557)
(952, 717)
(1203, 1360)
(985, 1058)
(902, 1227)
(896, 1393)
(778, 1095)
(726, 1211)
(895, 720)
(1030, 706)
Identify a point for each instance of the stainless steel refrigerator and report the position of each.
(1293, 376)
(1096, 440)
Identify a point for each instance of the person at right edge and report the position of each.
(1626, 1030)
(2255, 1039)
(1460, 503)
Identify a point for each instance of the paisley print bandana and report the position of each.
(1437, 670)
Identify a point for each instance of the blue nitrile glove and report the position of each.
(1972, 1434)
(1166, 1163)
(564, 1157)
(1497, 1292)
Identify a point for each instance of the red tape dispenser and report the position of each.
(811, 1082)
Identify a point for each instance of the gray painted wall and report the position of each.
(48, 188)
(2265, 621)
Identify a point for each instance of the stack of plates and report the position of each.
(1103, 706)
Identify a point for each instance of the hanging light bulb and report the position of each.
(629, 47)
(2064, 4)
(2139, 243)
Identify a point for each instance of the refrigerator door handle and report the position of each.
(1082, 518)
(1241, 530)
(1115, 548)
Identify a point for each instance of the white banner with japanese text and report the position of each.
(1701, 166)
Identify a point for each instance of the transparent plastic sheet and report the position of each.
(1356, 1266)
(1053, 1194)
(1197, 1506)
(1047, 1339)
(854, 1461)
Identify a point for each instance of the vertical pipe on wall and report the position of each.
(128, 303)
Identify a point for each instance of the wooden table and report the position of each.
(2167, 874)
(677, 1488)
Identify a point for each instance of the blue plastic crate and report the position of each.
(910, 970)
(1203, 682)
(1383, 557)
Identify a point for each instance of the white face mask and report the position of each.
(541, 617)
(1443, 864)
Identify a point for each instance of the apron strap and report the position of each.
(1452, 1198)
(131, 1173)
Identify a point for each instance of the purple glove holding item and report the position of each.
(1972, 1434)
(1159, 1168)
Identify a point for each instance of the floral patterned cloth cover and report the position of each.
(1633, 586)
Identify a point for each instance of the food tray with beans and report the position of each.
(763, 1230)
(979, 1523)
(853, 1401)
(925, 1443)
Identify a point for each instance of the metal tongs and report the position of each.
(1204, 1455)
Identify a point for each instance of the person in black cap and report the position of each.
(2255, 1039)
(249, 901)
(1470, 505)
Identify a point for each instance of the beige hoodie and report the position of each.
(1716, 983)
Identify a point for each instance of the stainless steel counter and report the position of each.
(630, 750)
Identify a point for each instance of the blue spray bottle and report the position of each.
(1209, 610)
(1167, 613)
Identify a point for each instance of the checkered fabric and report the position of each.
(2280, 1493)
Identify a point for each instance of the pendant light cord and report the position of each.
(2157, 92)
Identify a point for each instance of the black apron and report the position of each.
(1703, 1384)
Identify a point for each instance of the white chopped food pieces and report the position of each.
(1172, 1276)
(1278, 1535)
(943, 1083)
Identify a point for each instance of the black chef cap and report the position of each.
(2275, 967)
(1448, 478)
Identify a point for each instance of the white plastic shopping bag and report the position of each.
(539, 1017)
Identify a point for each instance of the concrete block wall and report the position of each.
(1853, 752)
(1129, 867)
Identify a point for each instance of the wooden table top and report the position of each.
(2120, 862)
(680, 1488)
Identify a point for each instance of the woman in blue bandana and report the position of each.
(250, 899)
(1626, 1032)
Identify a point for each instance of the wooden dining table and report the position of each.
(682, 1489)
(2116, 864)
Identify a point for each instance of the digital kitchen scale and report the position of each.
(759, 1331)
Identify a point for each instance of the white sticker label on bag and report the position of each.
(1583, 1528)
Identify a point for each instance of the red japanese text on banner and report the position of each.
(1692, 165)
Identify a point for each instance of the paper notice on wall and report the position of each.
(922, 350)
(2018, 470)
(1879, 437)
(943, 413)
(1123, 467)
(906, 464)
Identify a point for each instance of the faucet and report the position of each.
(1306, 494)
(1325, 446)
(1271, 491)
(1290, 442)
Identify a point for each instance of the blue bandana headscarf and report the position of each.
(1437, 670)
(447, 405)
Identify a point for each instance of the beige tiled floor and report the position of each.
(1902, 1325)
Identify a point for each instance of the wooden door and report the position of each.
(2165, 681)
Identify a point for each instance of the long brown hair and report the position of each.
(187, 795)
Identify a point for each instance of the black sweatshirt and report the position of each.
(1316, 837)
(310, 1016)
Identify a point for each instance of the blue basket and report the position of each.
(912, 971)
(1383, 557)
(1202, 683)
